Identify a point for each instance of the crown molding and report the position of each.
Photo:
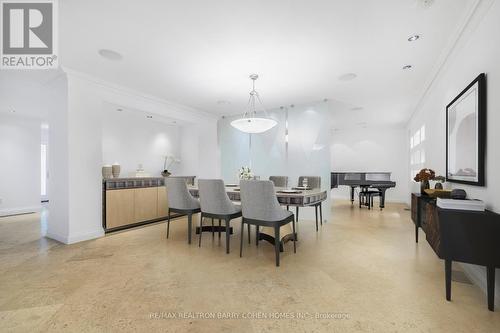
(137, 94)
(460, 36)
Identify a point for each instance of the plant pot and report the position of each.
(424, 185)
(438, 186)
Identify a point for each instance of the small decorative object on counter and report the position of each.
(459, 194)
(115, 169)
(107, 171)
(436, 193)
(245, 173)
(439, 182)
(423, 177)
(140, 173)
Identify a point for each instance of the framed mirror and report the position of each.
(466, 134)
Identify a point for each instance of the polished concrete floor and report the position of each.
(362, 272)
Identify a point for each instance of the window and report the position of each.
(417, 151)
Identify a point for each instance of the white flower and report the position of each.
(245, 173)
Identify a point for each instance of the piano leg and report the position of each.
(352, 195)
(382, 197)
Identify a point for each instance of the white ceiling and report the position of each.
(199, 52)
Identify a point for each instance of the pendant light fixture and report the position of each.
(250, 123)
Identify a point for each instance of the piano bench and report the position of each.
(366, 197)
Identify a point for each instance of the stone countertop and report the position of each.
(135, 182)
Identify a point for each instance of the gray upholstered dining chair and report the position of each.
(215, 204)
(181, 201)
(313, 182)
(260, 207)
(279, 181)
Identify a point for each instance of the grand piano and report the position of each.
(364, 180)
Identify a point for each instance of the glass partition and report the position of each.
(297, 146)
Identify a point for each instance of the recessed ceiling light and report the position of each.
(347, 77)
(424, 3)
(407, 67)
(357, 108)
(223, 102)
(119, 109)
(413, 38)
(149, 117)
(110, 54)
(13, 111)
(174, 122)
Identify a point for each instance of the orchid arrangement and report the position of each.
(167, 164)
(245, 173)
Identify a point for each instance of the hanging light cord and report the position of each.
(251, 111)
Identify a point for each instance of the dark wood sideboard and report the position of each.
(458, 235)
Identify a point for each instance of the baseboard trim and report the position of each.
(477, 275)
(72, 239)
(387, 200)
(20, 210)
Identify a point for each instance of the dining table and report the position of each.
(287, 197)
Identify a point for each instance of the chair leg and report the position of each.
(294, 236)
(241, 238)
(227, 236)
(297, 213)
(321, 213)
(213, 234)
(168, 223)
(360, 198)
(219, 228)
(277, 244)
(257, 235)
(316, 213)
(190, 226)
(249, 234)
(201, 227)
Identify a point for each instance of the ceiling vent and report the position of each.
(424, 3)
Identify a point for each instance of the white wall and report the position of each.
(372, 149)
(77, 147)
(477, 51)
(20, 139)
(73, 105)
(200, 154)
(130, 139)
